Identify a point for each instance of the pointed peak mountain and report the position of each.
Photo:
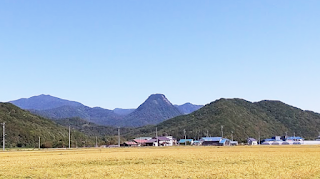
(156, 98)
(43, 102)
(155, 109)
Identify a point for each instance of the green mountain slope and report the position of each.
(188, 108)
(243, 118)
(23, 130)
(96, 115)
(91, 129)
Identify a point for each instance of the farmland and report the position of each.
(164, 162)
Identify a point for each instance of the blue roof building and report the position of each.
(187, 141)
(277, 140)
(215, 141)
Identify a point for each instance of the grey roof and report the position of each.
(151, 141)
(252, 139)
(159, 138)
(163, 138)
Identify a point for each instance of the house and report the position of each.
(162, 141)
(224, 142)
(234, 143)
(143, 138)
(152, 142)
(294, 139)
(140, 142)
(167, 141)
(197, 142)
(186, 142)
(215, 141)
(252, 141)
(277, 140)
(130, 144)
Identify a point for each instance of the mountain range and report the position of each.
(241, 119)
(154, 110)
(232, 118)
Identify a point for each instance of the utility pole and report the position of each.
(69, 138)
(222, 131)
(231, 135)
(207, 133)
(96, 142)
(39, 142)
(157, 136)
(4, 134)
(259, 138)
(198, 134)
(119, 136)
(185, 137)
(156, 133)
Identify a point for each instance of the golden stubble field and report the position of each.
(165, 162)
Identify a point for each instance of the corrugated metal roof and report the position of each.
(163, 138)
(140, 141)
(185, 140)
(151, 140)
(223, 141)
(216, 139)
(269, 140)
(130, 143)
(143, 138)
(294, 138)
(252, 139)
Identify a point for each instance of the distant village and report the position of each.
(216, 141)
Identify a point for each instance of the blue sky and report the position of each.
(116, 53)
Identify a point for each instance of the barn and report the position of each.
(215, 141)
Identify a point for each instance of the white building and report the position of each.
(252, 141)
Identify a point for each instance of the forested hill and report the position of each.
(243, 118)
(23, 129)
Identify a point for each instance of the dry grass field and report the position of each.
(165, 162)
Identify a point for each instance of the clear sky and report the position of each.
(116, 53)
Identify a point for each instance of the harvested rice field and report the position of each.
(164, 162)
